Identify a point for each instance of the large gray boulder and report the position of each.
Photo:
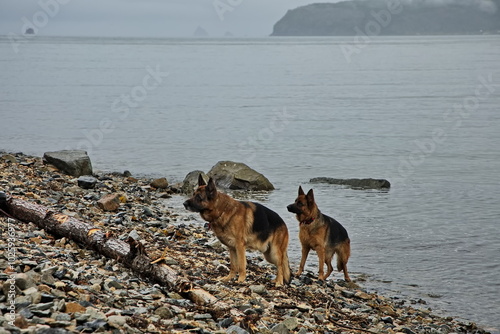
(190, 182)
(71, 162)
(355, 183)
(237, 175)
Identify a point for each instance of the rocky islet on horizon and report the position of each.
(60, 287)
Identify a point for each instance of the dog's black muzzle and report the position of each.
(189, 205)
(293, 208)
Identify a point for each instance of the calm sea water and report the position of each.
(422, 112)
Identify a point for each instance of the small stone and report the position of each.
(348, 294)
(95, 314)
(23, 281)
(50, 330)
(26, 313)
(160, 183)
(291, 323)
(110, 202)
(59, 285)
(63, 317)
(387, 320)
(215, 244)
(72, 307)
(204, 316)
(258, 289)
(81, 317)
(226, 322)
(87, 182)
(236, 330)
(319, 317)
(363, 295)
(117, 321)
(280, 329)
(140, 310)
(23, 301)
(42, 306)
(202, 297)
(164, 312)
(406, 330)
(97, 324)
(95, 287)
(48, 279)
(20, 322)
(42, 314)
(110, 285)
(30, 291)
(152, 328)
(302, 307)
(148, 212)
(10, 158)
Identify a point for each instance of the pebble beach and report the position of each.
(54, 285)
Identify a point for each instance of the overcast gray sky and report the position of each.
(141, 18)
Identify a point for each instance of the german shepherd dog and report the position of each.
(321, 233)
(242, 225)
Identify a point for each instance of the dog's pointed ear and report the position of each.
(201, 181)
(301, 192)
(310, 197)
(211, 188)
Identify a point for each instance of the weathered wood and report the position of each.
(130, 253)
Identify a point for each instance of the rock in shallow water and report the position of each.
(237, 175)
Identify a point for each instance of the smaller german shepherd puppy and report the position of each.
(321, 233)
(243, 225)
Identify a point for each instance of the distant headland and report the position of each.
(391, 17)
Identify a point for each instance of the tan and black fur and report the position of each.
(243, 225)
(321, 233)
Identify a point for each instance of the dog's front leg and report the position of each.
(241, 260)
(233, 265)
(305, 252)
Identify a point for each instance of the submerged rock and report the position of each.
(355, 183)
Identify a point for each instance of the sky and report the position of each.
(144, 18)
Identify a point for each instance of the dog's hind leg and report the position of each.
(322, 260)
(274, 258)
(328, 262)
(343, 254)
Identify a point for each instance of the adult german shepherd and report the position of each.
(321, 233)
(242, 225)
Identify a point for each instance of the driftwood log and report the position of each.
(131, 253)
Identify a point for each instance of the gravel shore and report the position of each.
(53, 285)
